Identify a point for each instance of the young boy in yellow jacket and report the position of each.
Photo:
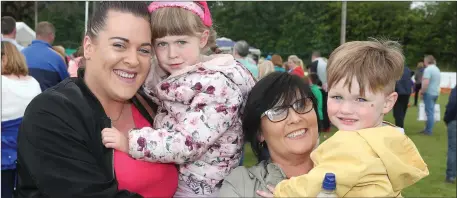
(369, 157)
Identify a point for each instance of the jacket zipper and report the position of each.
(112, 163)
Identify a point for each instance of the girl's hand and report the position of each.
(113, 138)
(266, 194)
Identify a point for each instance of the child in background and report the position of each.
(369, 157)
(200, 98)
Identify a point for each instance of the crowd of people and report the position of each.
(154, 109)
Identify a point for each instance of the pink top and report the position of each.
(145, 178)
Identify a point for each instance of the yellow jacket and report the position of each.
(374, 162)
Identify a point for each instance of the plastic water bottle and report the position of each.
(328, 186)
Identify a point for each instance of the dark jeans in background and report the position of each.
(400, 108)
(451, 147)
(417, 87)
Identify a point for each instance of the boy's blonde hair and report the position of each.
(173, 21)
(376, 64)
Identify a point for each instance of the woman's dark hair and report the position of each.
(98, 20)
(277, 87)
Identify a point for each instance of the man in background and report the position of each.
(430, 91)
(240, 52)
(45, 64)
(9, 31)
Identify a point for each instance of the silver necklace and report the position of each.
(115, 120)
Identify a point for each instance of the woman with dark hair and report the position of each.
(60, 149)
(280, 113)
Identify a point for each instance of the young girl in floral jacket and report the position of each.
(200, 98)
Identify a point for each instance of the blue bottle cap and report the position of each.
(329, 182)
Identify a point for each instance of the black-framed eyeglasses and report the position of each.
(278, 114)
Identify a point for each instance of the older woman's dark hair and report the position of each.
(277, 87)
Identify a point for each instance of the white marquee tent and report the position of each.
(24, 34)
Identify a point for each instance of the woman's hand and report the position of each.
(266, 194)
(113, 138)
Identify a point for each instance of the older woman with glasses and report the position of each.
(280, 114)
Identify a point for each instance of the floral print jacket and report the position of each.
(198, 123)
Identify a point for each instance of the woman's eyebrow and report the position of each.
(120, 38)
(127, 41)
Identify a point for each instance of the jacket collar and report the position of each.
(40, 42)
(92, 99)
(268, 173)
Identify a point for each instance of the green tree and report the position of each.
(301, 27)
(68, 19)
(294, 27)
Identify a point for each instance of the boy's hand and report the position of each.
(113, 138)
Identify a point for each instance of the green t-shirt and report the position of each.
(318, 95)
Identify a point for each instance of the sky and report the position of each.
(416, 4)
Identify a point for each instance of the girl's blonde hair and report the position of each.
(265, 68)
(15, 64)
(60, 50)
(301, 64)
(295, 59)
(173, 21)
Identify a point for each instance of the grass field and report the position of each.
(432, 148)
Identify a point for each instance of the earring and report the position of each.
(262, 144)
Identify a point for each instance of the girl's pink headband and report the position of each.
(204, 13)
